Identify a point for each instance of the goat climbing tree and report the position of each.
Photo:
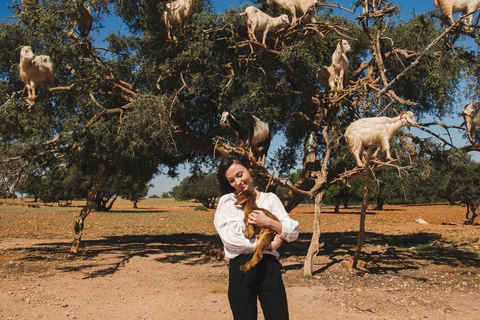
(144, 104)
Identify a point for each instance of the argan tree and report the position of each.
(144, 103)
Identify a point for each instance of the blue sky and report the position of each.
(164, 184)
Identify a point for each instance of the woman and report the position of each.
(264, 280)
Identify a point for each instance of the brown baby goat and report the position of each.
(264, 235)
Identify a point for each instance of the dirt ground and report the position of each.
(411, 271)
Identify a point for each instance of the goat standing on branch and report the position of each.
(449, 7)
(83, 19)
(306, 6)
(258, 20)
(471, 115)
(376, 131)
(336, 75)
(35, 70)
(340, 63)
(177, 13)
(251, 131)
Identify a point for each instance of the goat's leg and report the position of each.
(386, 147)
(169, 33)
(265, 32)
(340, 80)
(356, 154)
(251, 32)
(29, 90)
(375, 154)
(32, 90)
(356, 149)
(468, 124)
(294, 15)
(250, 232)
(265, 237)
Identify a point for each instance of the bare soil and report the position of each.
(154, 263)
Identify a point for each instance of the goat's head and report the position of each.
(344, 46)
(284, 19)
(408, 118)
(243, 197)
(226, 118)
(26, 53)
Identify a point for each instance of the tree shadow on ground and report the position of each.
(383, 253)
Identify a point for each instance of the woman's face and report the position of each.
(239, 178)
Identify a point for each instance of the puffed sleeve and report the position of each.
(289, 226)
(228, 221)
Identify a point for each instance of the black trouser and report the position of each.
(263, 281)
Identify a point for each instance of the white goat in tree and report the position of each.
(449, 7)
(471, 115)
(335, 75)
(35, 70)
(258, 20)
(376, 131)
(306, 6)
(177, 14)
(340, 63)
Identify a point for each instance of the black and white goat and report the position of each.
(251, 131)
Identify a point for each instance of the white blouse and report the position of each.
(230, 227)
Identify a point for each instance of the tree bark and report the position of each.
(314, 243)
(92, 194)
(366, 195)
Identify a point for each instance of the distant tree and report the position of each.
(61, 185)
(201, 187)
(341, 194)
(166, 195)
(136, 193)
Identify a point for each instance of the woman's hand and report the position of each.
(259, 218)
(277, 242)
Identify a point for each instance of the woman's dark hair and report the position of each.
(227, 161)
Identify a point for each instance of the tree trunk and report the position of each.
(366, 195)
(380, 202)
(306, 182)
(337, 205)
(314, 243)
(92, 194)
